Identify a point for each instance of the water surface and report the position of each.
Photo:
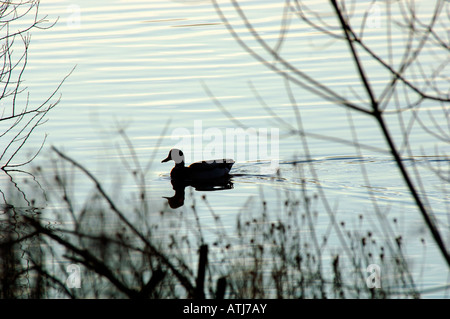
(158, 69)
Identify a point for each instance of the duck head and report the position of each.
(175, 155)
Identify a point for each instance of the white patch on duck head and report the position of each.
(177, 155)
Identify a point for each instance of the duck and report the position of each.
(203, 170)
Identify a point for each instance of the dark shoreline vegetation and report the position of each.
(135, 252)
(126, 248)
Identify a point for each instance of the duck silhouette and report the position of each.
(203, 170)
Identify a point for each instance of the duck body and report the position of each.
(203, 170)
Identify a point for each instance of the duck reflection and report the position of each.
(179, 186)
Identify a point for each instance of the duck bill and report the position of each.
(166, 159)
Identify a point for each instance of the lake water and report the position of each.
(159, 69)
